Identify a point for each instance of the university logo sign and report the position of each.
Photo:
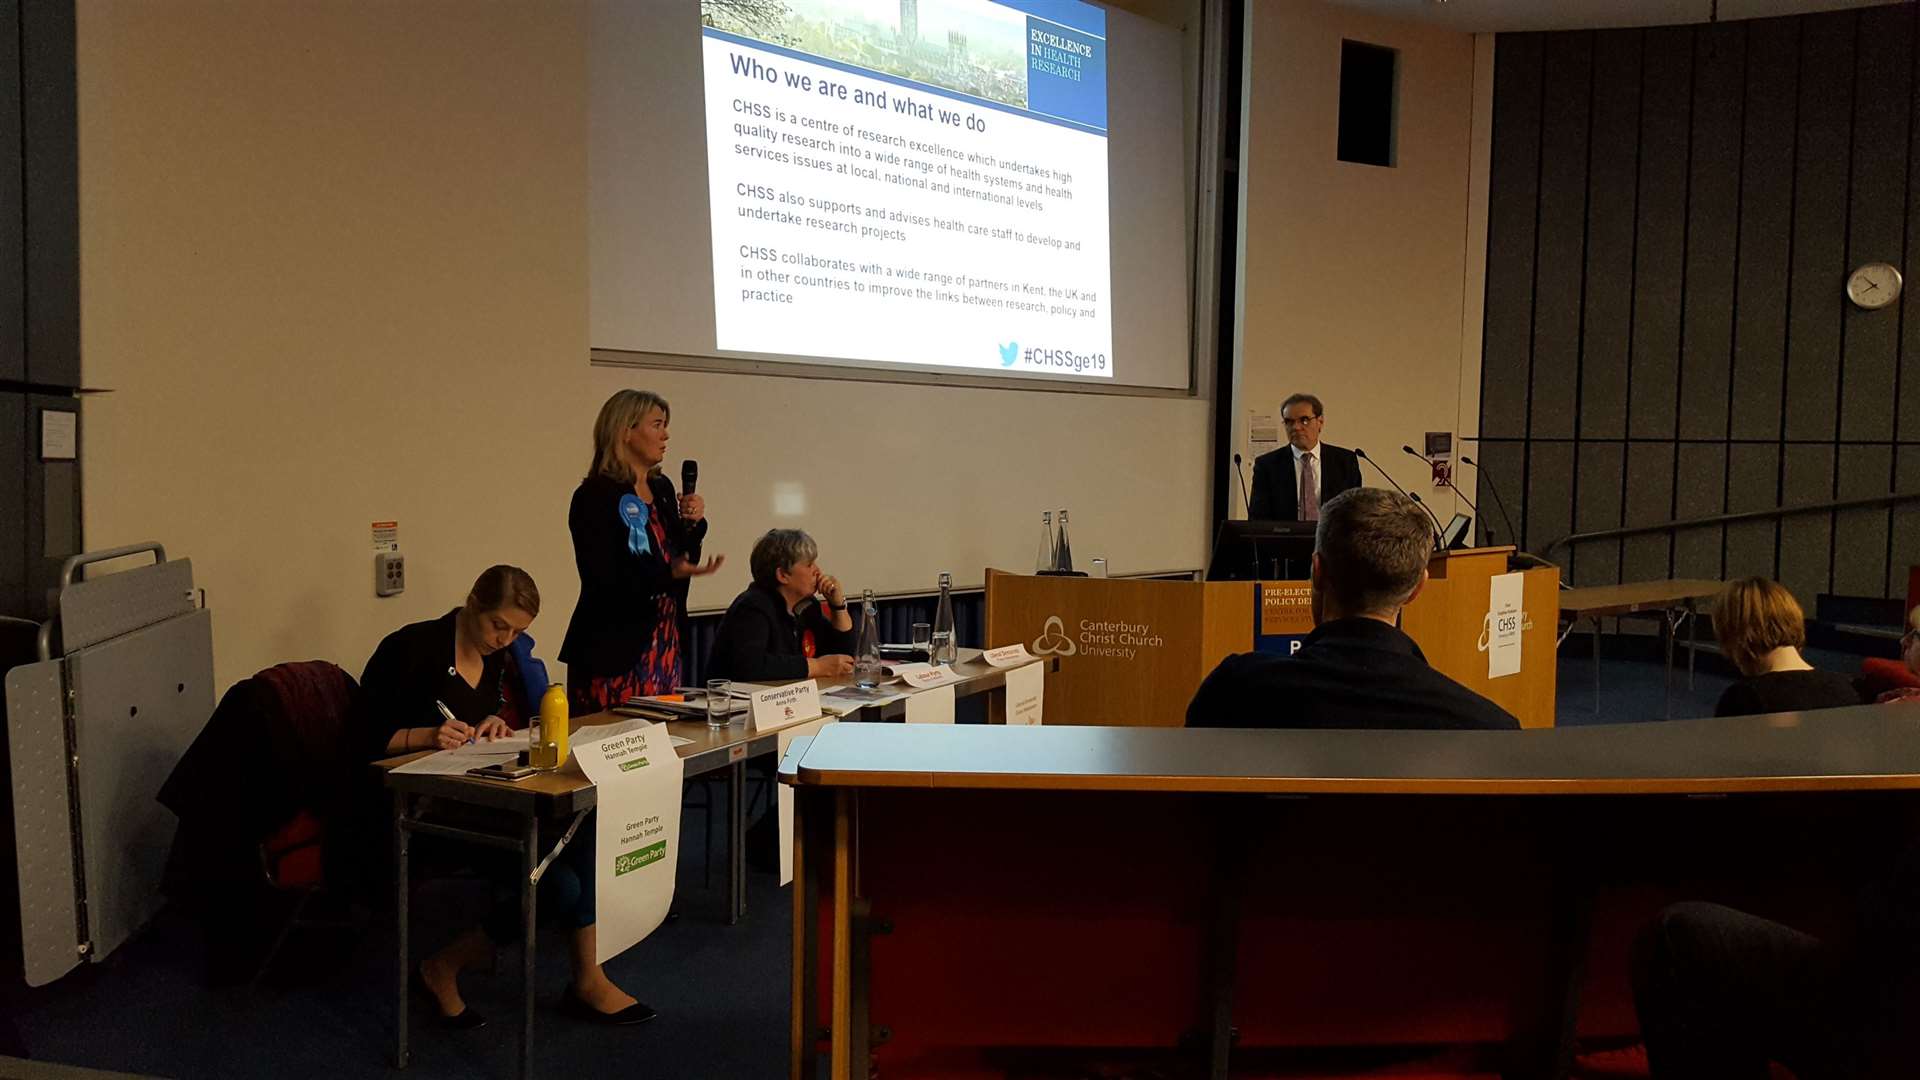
(1053, 639)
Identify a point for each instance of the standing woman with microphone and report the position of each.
(637, 545)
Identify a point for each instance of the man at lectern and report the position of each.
(1294, 482)
(1356, 670)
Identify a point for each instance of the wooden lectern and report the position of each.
(1132, 652)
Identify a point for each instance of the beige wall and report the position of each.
(1357, 282)
(334, 271)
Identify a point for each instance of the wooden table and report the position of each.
(568, 796)
(564, 795)
(1018, 887)
(1670, 601)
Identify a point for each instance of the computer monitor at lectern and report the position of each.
(1262, 551)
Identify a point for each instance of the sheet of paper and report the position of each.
(933, 706)
(842, 700)
(1505, 595)
(905, 667)
(1026, 694)
(59, 435)
(1263, 431)
(778, 706)
(785, 803)
(679, 742)
(1008, 656)
(636, 828)
(472, 756)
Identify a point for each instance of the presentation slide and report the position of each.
(915, 182)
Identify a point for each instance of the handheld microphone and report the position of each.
(1438, 532)
(1495, 492)
(1448, 483)
(1246, 501)
(689, 475)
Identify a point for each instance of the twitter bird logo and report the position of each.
(1009, 353)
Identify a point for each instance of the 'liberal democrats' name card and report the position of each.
(929, 677)
(778, 706)
(1007, 656)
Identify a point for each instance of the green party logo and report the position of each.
(634, 860)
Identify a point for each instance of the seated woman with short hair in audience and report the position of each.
(1761, 630)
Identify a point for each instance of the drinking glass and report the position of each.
(923, 638)
(719, 702)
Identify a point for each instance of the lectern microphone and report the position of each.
(1438, 532)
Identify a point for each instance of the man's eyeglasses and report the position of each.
(1297, 421)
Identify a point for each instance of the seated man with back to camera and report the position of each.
(1357, 669)
(776, 631)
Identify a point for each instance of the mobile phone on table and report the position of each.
(503, 770)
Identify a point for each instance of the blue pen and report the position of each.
(451, 719)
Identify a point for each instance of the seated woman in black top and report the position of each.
(1761, 629)
(775, 631)
(457, 660)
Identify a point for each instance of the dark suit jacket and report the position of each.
(1276, 495)
(612, 624)
(1349, 673)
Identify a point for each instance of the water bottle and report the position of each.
(944, 651)
(550, 750)
(1044, 562)
(1062, 549)
(866, 658)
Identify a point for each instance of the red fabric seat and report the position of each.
(291, 857)
(1877, 676)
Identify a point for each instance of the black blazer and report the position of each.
(1276, 495)
(759, 640)
(1349, 673)
(411, 670)
(612, 624)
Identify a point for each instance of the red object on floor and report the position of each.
(1619, 1064)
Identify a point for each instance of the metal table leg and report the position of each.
(1596, 664)
(1693, 639)
(736, 842)
(1668, 619)
(529, 883)
(400, 857)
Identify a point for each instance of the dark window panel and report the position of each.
(1512, 201)
(1665, 108)
(1877, 217)
(1649, 501)
(1766, 220)
(1819, 227)
(1753, 483)
(1560, 274)
(1713, 218)
(1611, 198)
(1502, 468)
(1860, 536)
(52, 193)
(1807, 476)
(1549, 514)
(1904, 548)
(1600, 467)
(1700, 491)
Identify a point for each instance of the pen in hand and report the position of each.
(451, 719)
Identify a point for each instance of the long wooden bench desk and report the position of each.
(973, 900)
